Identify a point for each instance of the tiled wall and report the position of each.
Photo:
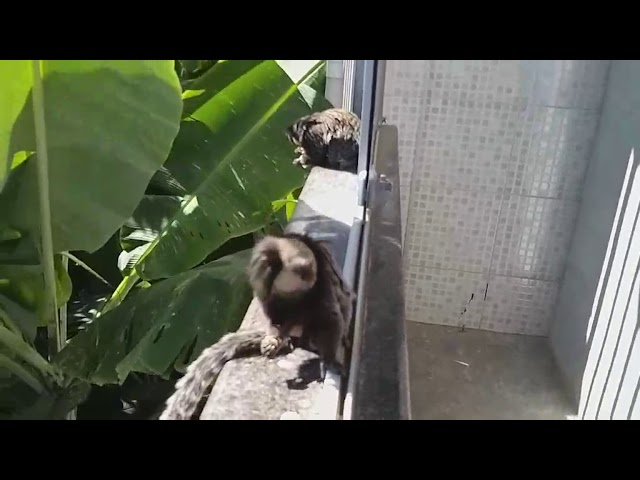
(492, 158)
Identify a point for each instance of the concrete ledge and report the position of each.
(256, 388)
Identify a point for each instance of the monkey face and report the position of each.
(282, 267)
(295, 277)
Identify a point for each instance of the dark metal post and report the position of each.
(379, 383)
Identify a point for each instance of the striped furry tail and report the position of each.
(191, 387)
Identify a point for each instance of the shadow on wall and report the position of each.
(595, 332)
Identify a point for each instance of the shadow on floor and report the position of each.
(480, 375)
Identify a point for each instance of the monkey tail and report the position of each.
(191, 387)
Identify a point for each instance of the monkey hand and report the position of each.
(271, 345)
(302, 160)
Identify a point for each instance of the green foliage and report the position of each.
(107, 128)
(165, 324)
(110, 125)
(190, 70)
(229, 166)
(15, 76)
(168, 166)
(24, 284)
(229, 162)
(232, 159)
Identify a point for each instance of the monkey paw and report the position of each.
(302, 161)
(270, 345)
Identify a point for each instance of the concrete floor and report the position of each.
(479, 375)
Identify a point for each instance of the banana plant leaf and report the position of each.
(165, 326)
(228, 163)
(109, 124)
(15, 83)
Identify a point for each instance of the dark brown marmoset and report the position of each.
(302, 293)
(329, 139)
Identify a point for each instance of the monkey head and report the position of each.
(282, 267)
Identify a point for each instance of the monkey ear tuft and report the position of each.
(291, 131)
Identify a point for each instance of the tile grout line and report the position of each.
(523, 117)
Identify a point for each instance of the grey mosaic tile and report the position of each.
(444, 297)
(533, 237)
(451, 229)
(519, 305)
(492, 157)
(578, 84)
(553, 155)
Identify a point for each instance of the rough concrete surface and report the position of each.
(481, 375)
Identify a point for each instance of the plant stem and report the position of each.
(65, 260)
(26, 352)
(10, 324)
(63, 319)
(22, 373)
(120, 293)
(56, 342)
(62, 311)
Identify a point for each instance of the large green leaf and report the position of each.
(22, 281)
(165, 325)
(232, 159)
(15, 83)
(148, 220)
(110, 125)
(150, 217)
(189, 70)
(24, 285)
(217, 79)
(17, 248)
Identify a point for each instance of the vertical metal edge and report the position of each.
(356, 75)
(366, 129)
(334, 85)
(380, 382)
(352, 76)
(348, 86)
(381, 73)
(347, 410)
(372, 107)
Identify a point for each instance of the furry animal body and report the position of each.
(327, 139)
(302, 293)
(319, 309)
